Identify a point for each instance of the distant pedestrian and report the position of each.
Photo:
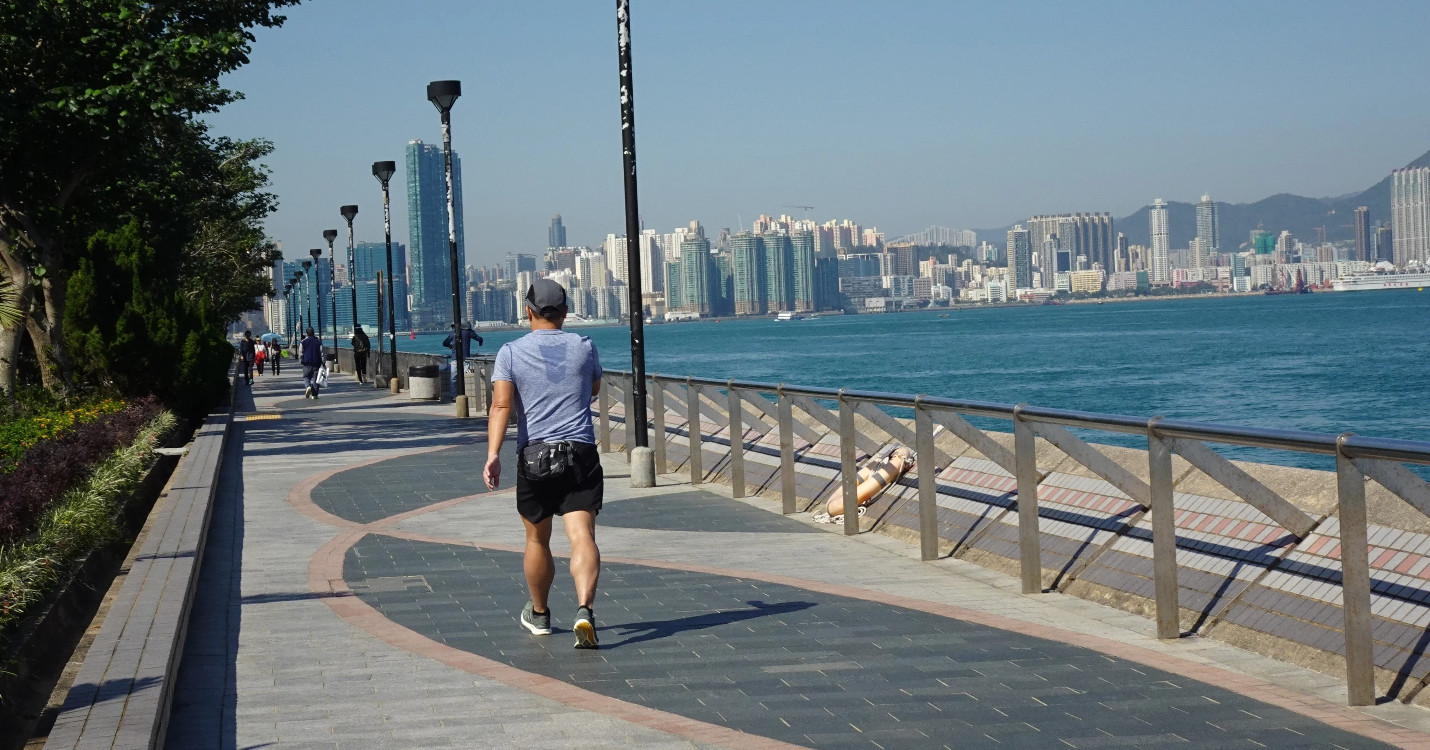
(361, 347)
(312, 360)
(260, 353)
(247, 353)
(551, 376)
(275, 355)
(468, 336)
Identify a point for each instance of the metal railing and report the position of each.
(763, 407)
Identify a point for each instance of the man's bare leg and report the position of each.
(585, 557)
(539, 567)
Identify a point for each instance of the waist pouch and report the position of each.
(544, 461)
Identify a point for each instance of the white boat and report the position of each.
(1372, 281)
(789, 316)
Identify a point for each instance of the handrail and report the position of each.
(1358, 459)
(1410, 451)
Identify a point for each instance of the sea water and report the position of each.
(1326, 362)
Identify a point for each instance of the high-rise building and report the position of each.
(429, 265)
(1410, 215)
(1122, 259)
(371, 257)
(615, 249)
(805, 281)
(1089, 234)
(1384, 244)
(556, 235)
(1020, 258)
(1208, 231)
(779, 257)
(747, 252)
(1051, 260)
(652, 263)
(515, 263)
(1362, 238)
(1161, 243)
(696, 282)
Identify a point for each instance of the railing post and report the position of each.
(737, 441)
(604, 402)
(692, 403)
(657, 408)
(1025, 459)
(926, 462)
(787, 486)
(849, 473)
(629, 385)
(1355, 580)
(1164, 533)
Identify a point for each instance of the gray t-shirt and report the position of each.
(551, 372)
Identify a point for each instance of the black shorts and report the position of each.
(581, 489)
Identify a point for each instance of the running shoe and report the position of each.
(537, 624)
(308, 392)
(585, 628)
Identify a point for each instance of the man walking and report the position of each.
(312, 361)
(551, 376)
(361, 347)
(247, 353)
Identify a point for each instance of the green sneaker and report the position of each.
(585, 628)
(538, 624)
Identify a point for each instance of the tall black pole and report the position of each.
(457, 343)
(633, 225)
(330, 235)
(349, 212)
(384, 171)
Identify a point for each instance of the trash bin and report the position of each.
(422, 382)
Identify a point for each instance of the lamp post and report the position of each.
(308, 276)
(287, 324)
(317, 253)
(330, 235)
(349, 212)
(642, 460)
(383, 171)
(443, 94)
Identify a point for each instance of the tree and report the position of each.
(147, 303)
(88, 83)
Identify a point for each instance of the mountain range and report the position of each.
(1299, 214)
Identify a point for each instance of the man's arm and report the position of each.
(497, 417)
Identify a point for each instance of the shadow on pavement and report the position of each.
(650, 631)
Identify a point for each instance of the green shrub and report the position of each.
(82, 520)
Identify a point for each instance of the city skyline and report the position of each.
(540, 125)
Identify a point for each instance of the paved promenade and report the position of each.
(360, 589)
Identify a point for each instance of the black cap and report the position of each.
(545, 296)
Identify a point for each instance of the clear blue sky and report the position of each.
(895, 114)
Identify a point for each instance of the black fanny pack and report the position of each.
(545, 461)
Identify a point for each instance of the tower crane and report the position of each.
(807, 209)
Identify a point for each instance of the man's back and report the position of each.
(552, 372)
(312, 350)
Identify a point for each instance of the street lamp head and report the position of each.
(443, 94)
(306, 265)
(329, 235)
(348, 213)
(317, 252)
(384, 170)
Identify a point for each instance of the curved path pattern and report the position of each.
(359, 589)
